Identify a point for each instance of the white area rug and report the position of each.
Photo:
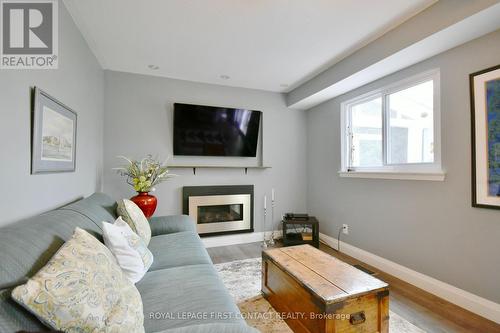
(243, 280)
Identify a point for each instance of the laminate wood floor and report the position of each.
(424, 310)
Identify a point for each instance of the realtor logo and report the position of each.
(28, 34)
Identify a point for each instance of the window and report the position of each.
(394, 131)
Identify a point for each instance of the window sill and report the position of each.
(431, 176)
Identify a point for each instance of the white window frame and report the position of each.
(411, 171)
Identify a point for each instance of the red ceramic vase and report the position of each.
(146, 202)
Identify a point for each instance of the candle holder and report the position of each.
(264, 243)
(271, 241)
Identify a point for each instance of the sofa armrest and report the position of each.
(213, 328)
(161, 225)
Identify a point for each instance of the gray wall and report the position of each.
(138, 121)
(427, 226)
(78, 83)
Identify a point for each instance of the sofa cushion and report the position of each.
(26, 246)
(185, 296)
(177, 249)
(161, 225)
(213, 328)
(83, 289)
(14, 317)
(98, 207)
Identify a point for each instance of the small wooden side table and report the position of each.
(297, 231)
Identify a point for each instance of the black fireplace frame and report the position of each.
(188, 191)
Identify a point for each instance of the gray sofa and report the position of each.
(181, 292)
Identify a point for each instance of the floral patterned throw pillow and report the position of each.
(133, 215)
(82, 289)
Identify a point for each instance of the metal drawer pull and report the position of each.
(357, 318)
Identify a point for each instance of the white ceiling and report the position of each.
(259, 44)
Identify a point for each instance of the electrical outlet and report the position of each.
(345, 229)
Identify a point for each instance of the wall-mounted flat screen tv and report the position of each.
(215, 131)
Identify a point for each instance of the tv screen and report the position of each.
(215, 131)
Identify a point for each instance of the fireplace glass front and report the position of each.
(220, 213)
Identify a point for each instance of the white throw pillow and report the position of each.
(133, 215)
(129, 249)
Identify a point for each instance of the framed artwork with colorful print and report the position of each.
(485, 125)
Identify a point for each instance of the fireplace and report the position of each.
(219, 210)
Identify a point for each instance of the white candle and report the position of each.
(265, 202)
(272, 194)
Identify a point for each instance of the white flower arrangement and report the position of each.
(145, 174)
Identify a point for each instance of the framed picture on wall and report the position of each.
(53, 135)
(485, 124)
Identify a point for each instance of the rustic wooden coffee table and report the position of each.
(316, 292)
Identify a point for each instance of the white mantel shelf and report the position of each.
(194, 167)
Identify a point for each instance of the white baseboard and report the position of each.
(457, 296)
(235, 239)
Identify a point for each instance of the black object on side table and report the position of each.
(300, 229)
